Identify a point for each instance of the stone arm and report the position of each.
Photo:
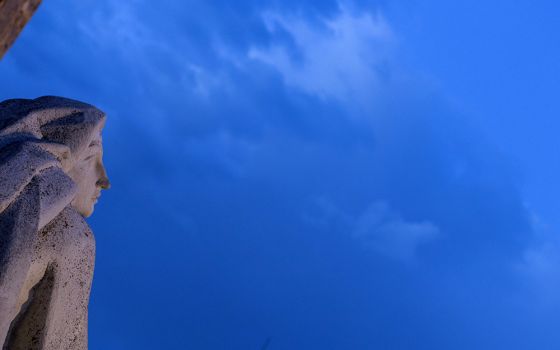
(22, 162)
(34, 189)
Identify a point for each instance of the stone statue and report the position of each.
(51, 175)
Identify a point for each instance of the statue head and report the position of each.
(70, 130)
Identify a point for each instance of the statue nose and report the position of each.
(103, 181)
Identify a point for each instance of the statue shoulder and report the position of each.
(69, 234)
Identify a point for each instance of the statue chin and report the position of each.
(85, 210)
(85, 213)
(89, 212)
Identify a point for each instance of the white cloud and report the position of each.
(387, 233)
(117, 25)
(341, 58)
(379, 228)
(118, 29)
(540, 265)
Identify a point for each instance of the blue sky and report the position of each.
(315, 174)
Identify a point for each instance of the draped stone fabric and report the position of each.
(46, 248)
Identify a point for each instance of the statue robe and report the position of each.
(46, 251)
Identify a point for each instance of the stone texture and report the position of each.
(14, 15)
(51, 174)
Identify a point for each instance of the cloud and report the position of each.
(378, 228)
(540, 265)
(387, 233)
(342, 57)
(117, 25)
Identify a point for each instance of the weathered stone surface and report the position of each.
(14, 15)
(51, 174)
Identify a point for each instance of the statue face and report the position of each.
(90, 177)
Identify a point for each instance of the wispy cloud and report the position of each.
(341, 57)
(118, 25)
(387, 233)
(379, 228)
